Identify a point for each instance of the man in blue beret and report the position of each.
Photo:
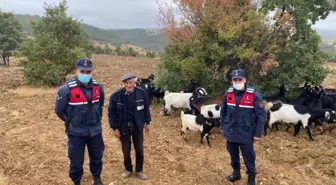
(129, 115)
(242, 122)
(79, 103)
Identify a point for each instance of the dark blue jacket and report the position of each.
(81, 124)
(117, 111)
(250, 121)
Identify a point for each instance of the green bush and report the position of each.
(57, 44)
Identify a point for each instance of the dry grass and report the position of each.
(33, 147)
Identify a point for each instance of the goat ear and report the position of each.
(327, 115)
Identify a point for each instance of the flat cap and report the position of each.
(127, 76)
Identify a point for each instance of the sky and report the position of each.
(113, 14)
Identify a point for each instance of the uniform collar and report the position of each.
(126, 93)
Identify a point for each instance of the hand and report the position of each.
(256, 138)
(147, 129)
(116, 133)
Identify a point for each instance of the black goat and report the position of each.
(281, 96)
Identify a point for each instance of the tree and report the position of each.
(10, 35)
(107, 50)
(215, 36)
(118, 51)
(150, 54)
(98, 50)
(132, 52)
(57, 43)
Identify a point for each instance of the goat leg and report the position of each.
(296, 129)
(309, 133)
(202, 136)
(207, 136)
(288, 127)
(277, 127)
(265, 129)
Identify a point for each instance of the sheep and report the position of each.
(180, 100)
(197, 123)
(296, 115)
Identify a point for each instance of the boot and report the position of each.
(141, 175)
(97, 181)
(77, 183)
(251, 180)
(126, 174)
(235, 176)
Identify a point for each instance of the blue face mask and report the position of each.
(84, 78)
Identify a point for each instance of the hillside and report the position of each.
(137, 37)
(33, 147)
(141, 37)
(326, 34)
(148, 39)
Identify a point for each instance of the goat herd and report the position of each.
(314, 105)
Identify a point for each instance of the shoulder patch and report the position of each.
(95, 82)
(230, 89)
(72, 83)
(249, 90)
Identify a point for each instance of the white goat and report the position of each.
(197, 123)
(296, 115)
(211, 111)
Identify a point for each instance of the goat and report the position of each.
(191, 87)
(281, 96)
(146, 80)
(157, 93)
(180, 100)
(198, 102)
(197, 123)
(296, 115)
(212, 111)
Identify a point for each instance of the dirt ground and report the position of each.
(33, 147)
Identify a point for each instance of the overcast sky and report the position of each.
(112, 13)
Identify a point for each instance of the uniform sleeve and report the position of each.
(112, 113)
(260, 115)
(101, 100)
(223, 110)
(148, 118)
(62, 100)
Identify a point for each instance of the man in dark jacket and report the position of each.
(79, 104)
(129, 115)
(242, 122)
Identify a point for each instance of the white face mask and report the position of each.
(239, 86)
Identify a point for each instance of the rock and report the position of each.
(15, 113)
(181, 168)
(284, 183)
(170, 158)
(3, 110)
(112, 183)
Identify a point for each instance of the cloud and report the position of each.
(113, 13)
(101, 13)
